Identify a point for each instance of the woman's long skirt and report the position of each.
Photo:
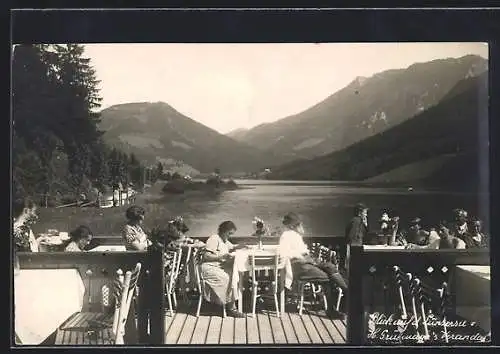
(218, 287)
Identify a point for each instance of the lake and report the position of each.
(325, 207)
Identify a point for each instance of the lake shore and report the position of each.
(160, 208)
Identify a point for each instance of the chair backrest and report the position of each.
(173, 262)
(124, 289)
(197, 259)
(323, 253)
(260, 262)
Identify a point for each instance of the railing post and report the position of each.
(355, 309)
(152, 301)
(157, 298)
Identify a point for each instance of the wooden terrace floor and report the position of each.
(313, 327)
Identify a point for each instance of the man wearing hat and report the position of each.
(356, 231)
(304, 267)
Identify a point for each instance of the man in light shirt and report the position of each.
(304, 267)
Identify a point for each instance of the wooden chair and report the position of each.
(111, 328)
(323, 254)
(258, 264)
(197, 258)
(172, 265)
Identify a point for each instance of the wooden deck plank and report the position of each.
(253, 336)
(311, 329)
(227, 331)
(240, 331)
(168, 321)
(332, 330)
(300, 330)
(266, 336)
(291, 338)
(341, 328)
(176, 328)
(59, 337)
(320, 328)
(277, 328)
(200, 331)
(214, 327)
(187, 330)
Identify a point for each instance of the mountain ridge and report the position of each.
(366, 106)
(155, 131)
(450, 128)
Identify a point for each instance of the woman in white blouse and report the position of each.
(133, 235)
(304, 267)
(216, 268)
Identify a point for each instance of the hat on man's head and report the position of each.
(459, 213)
(415, 221)
(291, 219)
(359, 208)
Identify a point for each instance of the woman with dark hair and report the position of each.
(305, 267)
(216, 268)
(79, 239)
(24, 213)
(133, 235)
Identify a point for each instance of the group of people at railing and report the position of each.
(25, 216)
(462, 232)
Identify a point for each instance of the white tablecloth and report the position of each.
(109, 248)
(43, 300)
(242, 264)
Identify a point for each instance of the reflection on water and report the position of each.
(325, 207)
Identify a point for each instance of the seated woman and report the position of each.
(447, 240)
(475, 237)
(24, 212)
(416, 237)
(79, 239)
(304, 267)
(216, 268)
(133, 235)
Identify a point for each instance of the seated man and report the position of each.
(304, 267)
(417, 237)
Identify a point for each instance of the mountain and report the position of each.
(237, 134)
(365, 107)
(443, 145)
(157, 132)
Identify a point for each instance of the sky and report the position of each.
(231, 86)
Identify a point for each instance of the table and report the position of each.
(109, 248)
(383, 247)
(43, 299)
(473, 297)
(241, 265)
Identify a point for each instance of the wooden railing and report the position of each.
(369, 268)
(335, 242)
(96, 269)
